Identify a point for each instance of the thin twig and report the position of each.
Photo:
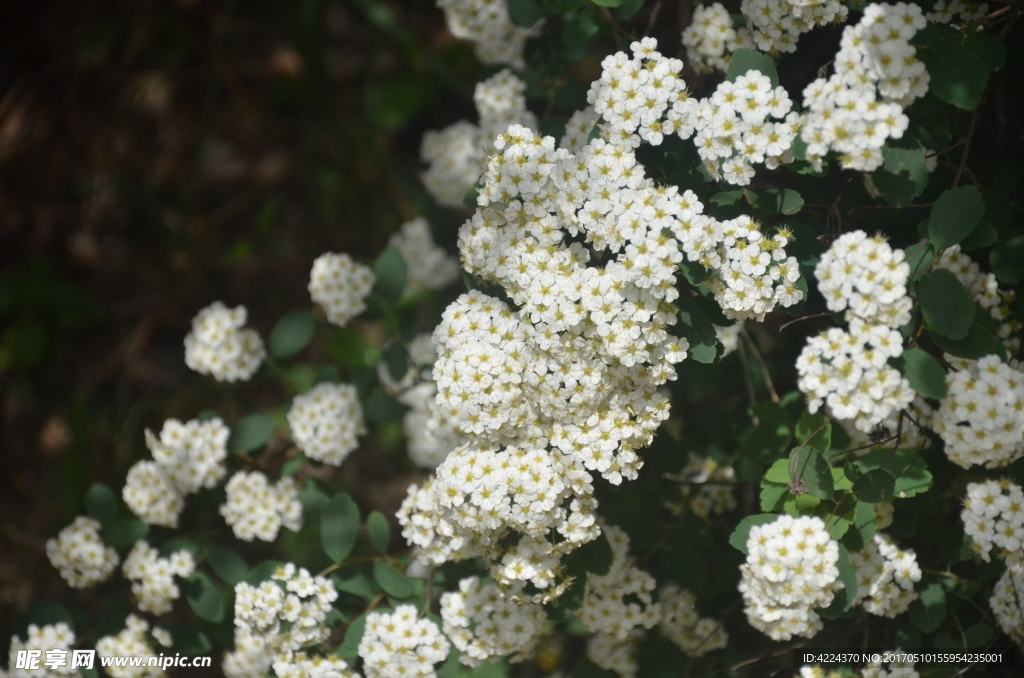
(967, 145)
(802, 318)
(751, 396)
(654, 17)
(765, 374)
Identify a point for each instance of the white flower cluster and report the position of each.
(580, 363)
(901, 668)
(577, 130)
(257, 509)
(57, 636)
(617, 606)
(287, 612)
(886, 575)
(326, 422)
(705, 489)
(745, 123)
(984, 288)
(456, 155)
(486, 23)
(1007, 602)
(432, 430)
(399, 645)
(682, 624)
(80, 555)
(847, 371)
(876, 76)
(790, 570)
(981, 420)
(711, 38)
(729, 337)
(152, 577)
(959, 12)
(614, 654)
(429, 266)
(186, 458)
(340, 285)
(302, 665)
(130, 642)
(644, 95)
(883, 514)
(776, 25)
(480, 495)
(219, 345)
(994, 514)
(866, 278)
(486, 624)
(751, 273)
(619, 601)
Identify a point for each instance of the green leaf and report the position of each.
(42, 612)
(226, 564)
(772, 494)
(382, 408)
(947, 307)
(100, 503)
(251, 433)
(391, 273)
(924, 373)
(189, 641)
(929, 610)
(339, 525)
(353, 635)
(397, 359)
(958, 75)
(291, 333)
(911, 471)
(982, 236)
(584, 668)
(607, 3)
(698, 330)
(177, 544)
(818, 426)
(357, 584)
(394, 583)
(904, 172)
(204, 598)
(987, 47)
(863, 528)
(262, 572)
(956, 213)
(628, 8)
(979, 635)
(578, 29)
(1007, 260)
(844, 598)
(920, 257)
(874, 486)
(594, 557)
(124, 532)
(782, 201)
(779, 472)
(738, 539)
(812, 468)
(379, 530)
(979, 343)
(469, 200)
(524, 13)
(744, 60)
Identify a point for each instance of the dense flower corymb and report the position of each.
(219, 344)
(80, 555)
(326, 422)
(400, 644)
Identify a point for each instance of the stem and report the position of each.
(764, 367)
(802, 318)
(967, 146)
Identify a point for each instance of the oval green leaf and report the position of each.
(947, 307)
(204, 598)
(874, 486)
(379, 530)
(292, 333)
(393, 582)
(339, 525)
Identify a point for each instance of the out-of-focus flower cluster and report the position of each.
(186, 458)
(886, 575)
(326, 422)
(152, 577)
(80, 555)
(219, 345)
(340, 286)
(257, 509)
